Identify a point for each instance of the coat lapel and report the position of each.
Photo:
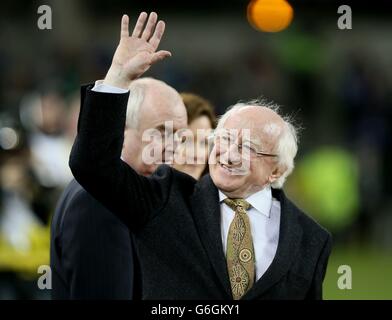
(206, 213)
(289, 238)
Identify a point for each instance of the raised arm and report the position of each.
(95, 157)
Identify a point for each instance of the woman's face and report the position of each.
(193, 154)
(201, 129)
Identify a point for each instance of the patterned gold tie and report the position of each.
(240, 253)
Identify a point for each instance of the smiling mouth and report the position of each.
(231, 170)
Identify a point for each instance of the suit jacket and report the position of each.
(91, 252)
(176, 220)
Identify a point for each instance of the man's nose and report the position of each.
(233, 155)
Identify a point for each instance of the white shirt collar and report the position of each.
(261, 201)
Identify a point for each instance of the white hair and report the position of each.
(137, 93)
(139, 89)
(287, 145)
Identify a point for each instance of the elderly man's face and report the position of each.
(239, 175)
(160, 105)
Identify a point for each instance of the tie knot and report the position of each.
(235, 204)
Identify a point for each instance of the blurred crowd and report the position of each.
(338, 86)
(35, 145)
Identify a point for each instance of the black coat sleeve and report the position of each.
(96, 164)
(316, 290)
(96, 251)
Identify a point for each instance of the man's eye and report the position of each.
(247, 148)
(225, 138)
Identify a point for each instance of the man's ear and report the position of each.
(277, 173)
(131, 138)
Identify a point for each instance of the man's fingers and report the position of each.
(152, 20)
(137, 31)
(160, 55)
(157, 36)
(124, 26)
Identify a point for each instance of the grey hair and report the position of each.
(287, 145)
(136, 98)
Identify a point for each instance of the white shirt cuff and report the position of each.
(105, 88)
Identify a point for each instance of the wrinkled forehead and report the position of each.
(156, 112)
(256, 125)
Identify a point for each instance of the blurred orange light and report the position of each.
(270, 15)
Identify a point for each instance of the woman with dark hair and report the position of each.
(193, 154)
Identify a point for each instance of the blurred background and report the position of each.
(337, 84)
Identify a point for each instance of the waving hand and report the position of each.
(136, 52)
